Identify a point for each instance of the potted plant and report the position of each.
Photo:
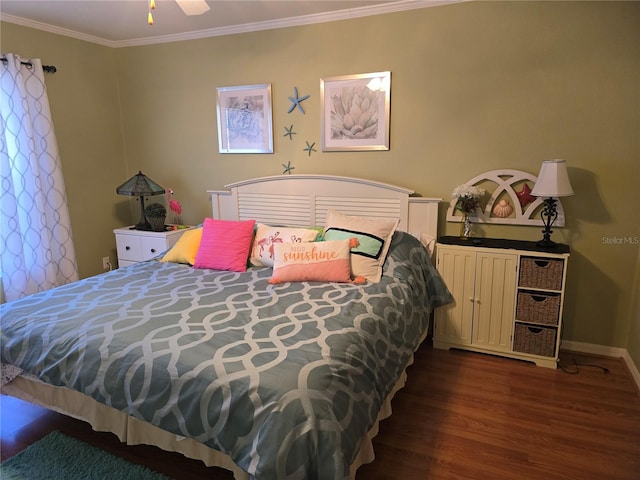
(156, 214)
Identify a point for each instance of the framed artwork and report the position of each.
(355, 112)
(245, 122)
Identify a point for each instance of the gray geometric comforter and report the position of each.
(286, 379)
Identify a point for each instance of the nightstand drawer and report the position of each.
(138, 249)
(152, 247)
(129, 247)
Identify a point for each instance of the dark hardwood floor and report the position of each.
(461, 416)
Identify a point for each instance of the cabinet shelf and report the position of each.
(534, 324)
(541, 290)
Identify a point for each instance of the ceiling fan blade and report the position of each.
(193, 7)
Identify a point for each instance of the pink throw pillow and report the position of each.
(313, 262)
(225, 245)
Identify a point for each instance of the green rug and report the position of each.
(58, 457)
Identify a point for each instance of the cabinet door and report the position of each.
(453, 322)
(494, 300)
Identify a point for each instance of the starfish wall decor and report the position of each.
(287, 168)
(296, 101)
(290, 133)
(309, 148)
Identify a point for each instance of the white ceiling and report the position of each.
(120, 23)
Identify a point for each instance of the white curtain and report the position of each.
(37, 247)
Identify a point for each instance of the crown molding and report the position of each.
(45, 27)
(359, 12)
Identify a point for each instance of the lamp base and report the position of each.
(548, 215)
(142, 226)
(549, 244)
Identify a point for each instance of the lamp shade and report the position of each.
(138, 185)
(553, 180)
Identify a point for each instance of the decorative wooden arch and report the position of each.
(501, 186)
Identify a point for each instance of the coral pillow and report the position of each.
(225, 245)
(374, 237)
(312, 262)
(186, 248)
(267, 236)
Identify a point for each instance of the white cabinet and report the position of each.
(140, 245)
(508, 298)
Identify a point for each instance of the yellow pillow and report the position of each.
(186, 248)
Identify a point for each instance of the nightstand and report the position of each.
(140, 245)
(508, 296)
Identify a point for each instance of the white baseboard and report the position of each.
(605, 351)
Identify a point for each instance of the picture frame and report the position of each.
(245, 123)
(344, 128)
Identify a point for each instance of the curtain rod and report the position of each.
(46, 68)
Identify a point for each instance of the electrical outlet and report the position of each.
(106, 263)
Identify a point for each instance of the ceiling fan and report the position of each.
(189, 7)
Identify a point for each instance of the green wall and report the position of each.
(475, 87)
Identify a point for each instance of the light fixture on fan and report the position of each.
(152, 6)
(189, 7)
(553, 181)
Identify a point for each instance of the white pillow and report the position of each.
(428, 242)
(374, 238)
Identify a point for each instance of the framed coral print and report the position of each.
(355, 112)
(245, 122)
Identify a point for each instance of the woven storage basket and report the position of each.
(543, 273)
(538, 308)
(535, 340)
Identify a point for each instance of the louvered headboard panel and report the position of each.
(365, 207)
(303, 200)
(274, 209)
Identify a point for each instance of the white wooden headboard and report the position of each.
(303, 200)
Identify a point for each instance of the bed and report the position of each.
(269, 379)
